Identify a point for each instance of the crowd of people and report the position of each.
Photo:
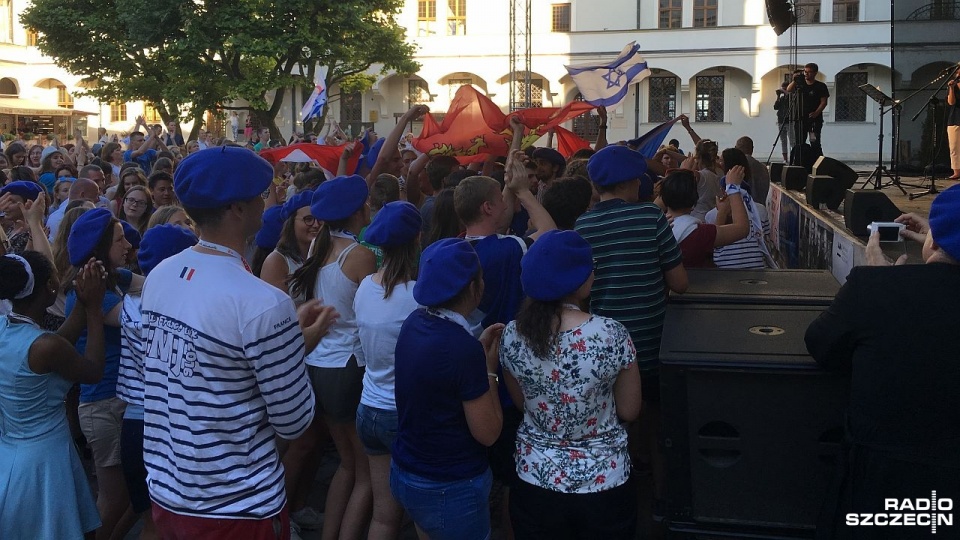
(212, 320)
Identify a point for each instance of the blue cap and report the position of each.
(557, 264)
(269, 234)
(397, 223)
(339, 198)
(551, 156)
(23, 188)
(131, 234)
(374, 153)
(163, 241)
(295, 203)
(615, 164)
(86, 233)
(216, 177)
(446, 267)
(945, 221)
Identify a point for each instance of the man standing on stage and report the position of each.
(813, 96)
(953, 125)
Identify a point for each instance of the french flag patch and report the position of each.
(187, 273)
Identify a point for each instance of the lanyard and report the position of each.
(225, 250)
(451, 316)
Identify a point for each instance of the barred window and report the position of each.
(709, 102)
(351, 108)
(457, 18)
(846, 10)
(417, 92)
(561, 18)
(586, 126)
(663, 99)
(536, 94)
(426, 17)
(118, 112)
(671, 12)
(807, 11)
(851, 103)
(704, 13)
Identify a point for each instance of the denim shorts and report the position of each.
(377, 429)
(455, 510)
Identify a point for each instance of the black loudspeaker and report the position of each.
(752, 427)
(863, 207)
(803, 155)
(780, 13)
(825, 190)
(838, 170)
(794, 178)
(758, 287)
(776, 172)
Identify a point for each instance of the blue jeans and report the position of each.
(456, 510)
(377, 429)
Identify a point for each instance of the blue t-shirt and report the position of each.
(439, 365)
(107, 387)
(145, 160)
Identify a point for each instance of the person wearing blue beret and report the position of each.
(223, 363)
(299, 229)
(266, 238)
(637, 262)
(448, 410)
(21, 226)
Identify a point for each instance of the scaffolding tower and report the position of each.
(520, 55)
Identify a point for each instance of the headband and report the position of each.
(28, 288)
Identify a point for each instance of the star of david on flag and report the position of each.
(313, 107)
(607, 84)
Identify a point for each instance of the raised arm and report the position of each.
(390, 145)
(601, 129)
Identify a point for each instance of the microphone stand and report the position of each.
(931, 104)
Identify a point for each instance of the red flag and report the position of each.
(568, 142)
(328, 157)
(474, 126)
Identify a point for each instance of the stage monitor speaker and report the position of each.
(863, 207)
(837, 169)
(751, 425)
(758, 287)
(803, 155)
(794, 178)
(825, 190)
(780, 13)
(776, 172)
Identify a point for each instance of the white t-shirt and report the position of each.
(223, 375)
(379, 321)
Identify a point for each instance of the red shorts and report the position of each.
(173, 526)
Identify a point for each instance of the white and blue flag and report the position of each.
(607, 84)
(313, 108)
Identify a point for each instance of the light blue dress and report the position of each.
(43, 490)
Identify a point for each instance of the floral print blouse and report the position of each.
(571, 440)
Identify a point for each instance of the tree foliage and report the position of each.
(187, 57)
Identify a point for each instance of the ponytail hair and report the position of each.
(537, 323)
(304, 280)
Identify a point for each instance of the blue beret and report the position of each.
(615, 164)
(551, 156)
(374, 153)
(557, 264)
(397, 223)
(86, 233)
(216, 177)
(945, 221)
(339, 198)
(161, 242)
(295, 203)
(446, 267)
(269, 234)
(131, 234)
(23, 188)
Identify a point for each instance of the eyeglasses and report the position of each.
(134, 202)
(309, 220)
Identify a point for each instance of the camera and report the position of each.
(889, 231)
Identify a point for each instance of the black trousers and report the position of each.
(812, 127)
(538, 513)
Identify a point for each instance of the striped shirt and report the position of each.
(633, 246)
(130, 376)
(746, 252)
(223, 375)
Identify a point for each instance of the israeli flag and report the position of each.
(607, 84)
(313, 108)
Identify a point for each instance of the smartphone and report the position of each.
(889, 231)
